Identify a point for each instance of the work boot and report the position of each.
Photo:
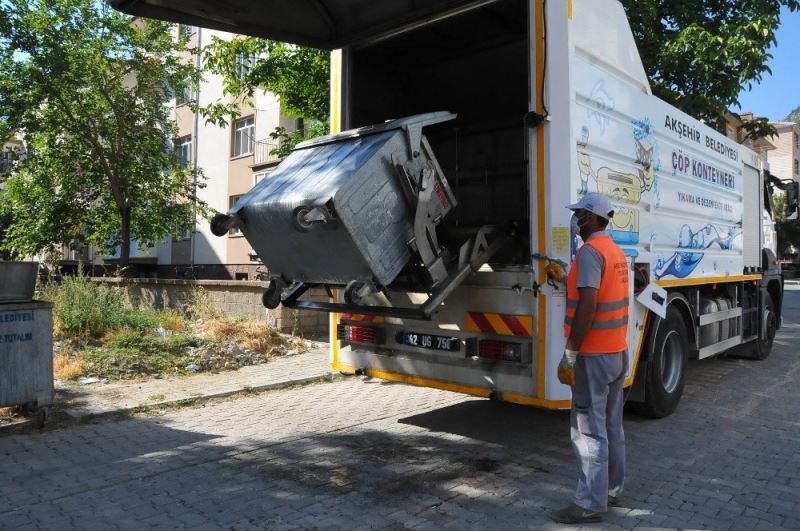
(575, 515)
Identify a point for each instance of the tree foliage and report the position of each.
(793, 116)
(298, 75)
(788, 233)
(86, 87)
(699, 55)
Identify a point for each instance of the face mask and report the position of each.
(576, 224)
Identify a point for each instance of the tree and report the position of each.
(699, 55)
(86, 87)
(794, 116)
(298, 75)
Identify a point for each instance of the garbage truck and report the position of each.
(434, 214)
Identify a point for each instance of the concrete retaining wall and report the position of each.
(232, 297)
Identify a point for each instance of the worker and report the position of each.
(595, 361)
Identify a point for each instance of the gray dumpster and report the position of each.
(346, 207)
(17, 281)
(26, 342)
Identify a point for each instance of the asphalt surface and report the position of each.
(368, 454)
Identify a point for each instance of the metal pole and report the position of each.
(195, 145)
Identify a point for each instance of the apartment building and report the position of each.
(232, 160)
(734, 129)
(784, 160)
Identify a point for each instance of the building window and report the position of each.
(235, 231)
(796, 141)
(187, 30)
(243, 131)
(244, 62)
(184, 95)
(796, 167)
(258, 177)
(6, 161)
(183, 147)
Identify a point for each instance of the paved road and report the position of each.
(369, 454)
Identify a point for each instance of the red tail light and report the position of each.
(499, 350)
(361, 334)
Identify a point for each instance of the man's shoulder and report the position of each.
(608, 243)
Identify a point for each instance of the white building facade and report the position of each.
(231, 160)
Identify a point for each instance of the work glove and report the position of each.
(566, 367)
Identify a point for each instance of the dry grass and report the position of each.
(200, 305)
(67, 366)
(8, 412)
(173, 320)
(254, 335)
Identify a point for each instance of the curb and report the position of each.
(79, 414)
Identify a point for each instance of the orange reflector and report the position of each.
(362, 317)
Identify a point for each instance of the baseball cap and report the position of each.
(596, 203)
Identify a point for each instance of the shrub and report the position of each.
(85, 308)
(178, 342)
(173, 321)
(134, 340)
(143, 319)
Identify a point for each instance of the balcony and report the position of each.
(263, 149)
(262, 152)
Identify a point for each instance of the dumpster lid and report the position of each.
(413, 124)
(326, 24)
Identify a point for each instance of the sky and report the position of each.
(779, 93)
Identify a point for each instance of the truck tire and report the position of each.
(762, 347)
(665, 374)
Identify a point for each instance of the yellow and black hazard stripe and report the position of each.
(502, 324)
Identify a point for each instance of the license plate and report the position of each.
(429, 341)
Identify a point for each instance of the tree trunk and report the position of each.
(125, 241)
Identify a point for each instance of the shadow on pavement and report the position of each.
(510, 425)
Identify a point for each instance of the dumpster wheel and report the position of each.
(36, 412)
(41, 417)
(271, 298)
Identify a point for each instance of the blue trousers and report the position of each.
(598, 439)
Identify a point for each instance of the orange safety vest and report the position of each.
(609, 330)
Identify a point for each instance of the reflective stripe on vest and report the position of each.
(609, 329)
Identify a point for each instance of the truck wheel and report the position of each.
(762, 347)
(666, 371)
